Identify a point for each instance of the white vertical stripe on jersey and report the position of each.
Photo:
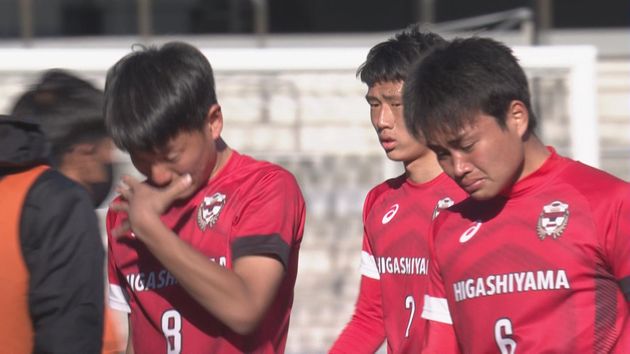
(117, 299)
(436, 309)
(368, 266)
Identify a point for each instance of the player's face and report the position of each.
(386, 113)
(191, 153)
(100, 179)
(91, 165)
(101, 155)
(483, 158)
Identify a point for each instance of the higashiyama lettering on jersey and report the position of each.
(249, 208)
(543, 268)
(397, 214)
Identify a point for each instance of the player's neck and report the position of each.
(536, 154)
(224, 152)
(423, 169)
(75, 170)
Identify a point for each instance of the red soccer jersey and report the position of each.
(538, 269)
(396, 218)
(250, 207)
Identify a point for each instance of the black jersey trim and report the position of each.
(625, 287)
(262, 245)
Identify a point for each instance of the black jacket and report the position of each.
(61, 246)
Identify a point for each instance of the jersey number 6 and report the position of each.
(503, 335)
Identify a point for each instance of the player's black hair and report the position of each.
(153, 94)
(68, 109)
(444, 92)
(390, 60)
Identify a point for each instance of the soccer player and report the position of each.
(538, 258)
(397, 212)
(69, 111)
(203, 254)
(51, 255)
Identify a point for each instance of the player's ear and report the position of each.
(85, 148)
(214, 121)
(518, 117)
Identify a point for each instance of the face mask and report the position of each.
(101, 190)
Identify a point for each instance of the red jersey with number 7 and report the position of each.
(396, 218)
(249, 208)
(544, 268)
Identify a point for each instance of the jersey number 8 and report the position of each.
(172, 329)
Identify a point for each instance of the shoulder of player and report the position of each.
(254, 167)
(52, 200)
(264, 175)
(593, 183)
(381, 190)
(386, 186)
(53, 190)
(578, 170)
(273, 172)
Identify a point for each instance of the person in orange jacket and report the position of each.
(69, 111)
(51, 255)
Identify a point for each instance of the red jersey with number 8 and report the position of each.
(249, 208)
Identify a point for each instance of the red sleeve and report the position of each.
(272, 218)
(435, 304)
(439, 338)
(365, 332)
(439, 333)
(111, 267)
(617, 243)
(117, 297)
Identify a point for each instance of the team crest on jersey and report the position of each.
(442, 204)
(553, 220)
(209, 210)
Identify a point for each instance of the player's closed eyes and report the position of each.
(172, 158)
(440, 152)
(468, 147)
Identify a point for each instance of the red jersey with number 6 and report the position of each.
(544, 268)
(249, 208)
